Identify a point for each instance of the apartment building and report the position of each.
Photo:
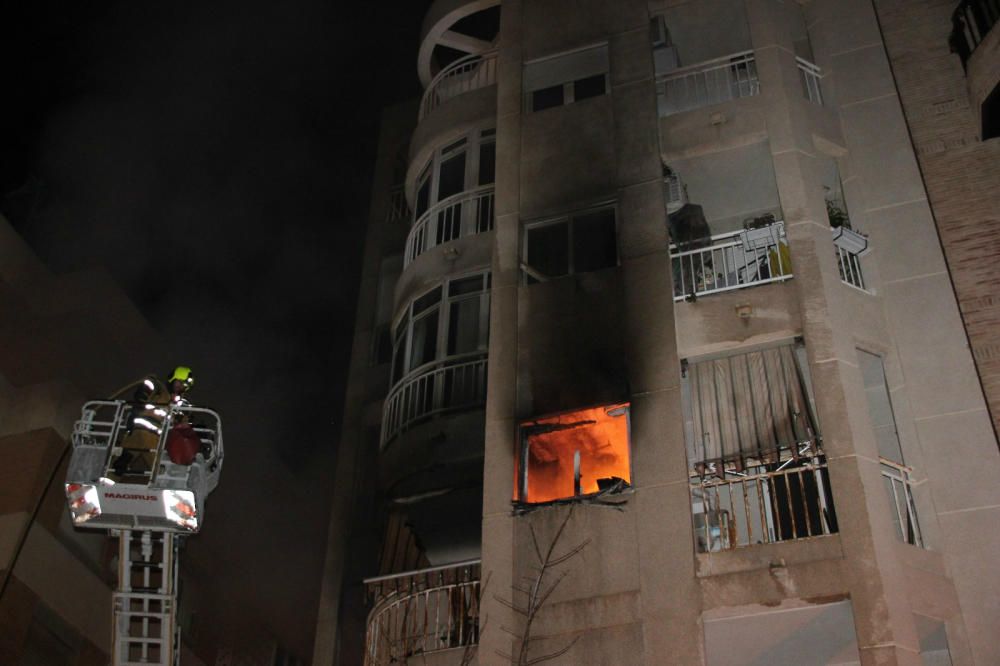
(658, 358)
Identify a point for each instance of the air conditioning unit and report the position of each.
(674, 192)
(850, 241)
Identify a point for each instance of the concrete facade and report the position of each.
(808, 119)
(64, 338)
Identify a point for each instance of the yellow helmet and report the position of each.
(182, 374)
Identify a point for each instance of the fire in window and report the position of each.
(574, 454)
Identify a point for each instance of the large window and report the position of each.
(566, 78)
(574, 454)
(452, 319)
(460, 166)
(758, 473)
(580, 243)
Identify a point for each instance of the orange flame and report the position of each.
(599, 434)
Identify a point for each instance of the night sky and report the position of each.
(215, 158)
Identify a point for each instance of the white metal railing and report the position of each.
(466, 74)
(398, 209)
(424, 611)
(810, 75)
(749, 508)
(849, 266)
(442, 386)
(899, 485)
(460, 215)
(710, 82)
(729, 262)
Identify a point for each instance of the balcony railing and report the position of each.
(466, 74)
(970, 23)
(810, 75)
(398, 209)
(443, 386)
(899, 485)
(707, 83)
(732, 261)
(420, 612)
(748, 508)
(463, 214)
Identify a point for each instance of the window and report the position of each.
(580, 243)
(457, 167)
(574, 454)
(451, 319)
(567, 78)
(758, 473)
(991, 115)
(896, 476)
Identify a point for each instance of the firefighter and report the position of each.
(151, 402)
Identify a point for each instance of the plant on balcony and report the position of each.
(837, 215)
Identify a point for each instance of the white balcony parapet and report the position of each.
(811, 75)
(850, 247)
(466, 74)
(730, 261)
(463, 214)
(748, 508)
(452, 384)
(899, 485)
(420, 612)
(710, 82)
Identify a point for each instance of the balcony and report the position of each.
(756, 506)
(422, 612)
(971, 21)
(466, 74)
(899, 486)
(710, 82)
(732, 260)
(457, 216)
(810, 75)
(436, 388)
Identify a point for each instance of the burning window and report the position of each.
(574, 454)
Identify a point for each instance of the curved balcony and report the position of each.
(443, 386)
(460, 215)
(420, 612)
(466, 74)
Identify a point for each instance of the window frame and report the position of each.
(431, 171)
(568, 86)
(403, 342)
(567, 218)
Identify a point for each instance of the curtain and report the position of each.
(750, 405)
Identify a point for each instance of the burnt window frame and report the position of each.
(568, 219)
(524, 430)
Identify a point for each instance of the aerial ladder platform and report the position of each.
(142, 472)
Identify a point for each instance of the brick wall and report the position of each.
(961, 173)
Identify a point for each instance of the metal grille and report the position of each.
(707, 83)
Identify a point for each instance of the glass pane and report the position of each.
(452, 179)
(463, 326)
(427, 300)
(595, 244)
(487, 163)
(469, 285)
(423, 199)
(592, 86)
(397, 361)
(548, 249)
(546, 98)
(423, 347)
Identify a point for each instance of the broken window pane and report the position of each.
(548, 249)
(595, 243)
(574, 454)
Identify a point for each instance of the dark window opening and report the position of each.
(592, 86)
(487, 163)
(546, 98)
(548, 250)
(595, 243)
(452, 180)
(991, 114)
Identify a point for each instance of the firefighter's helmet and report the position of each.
(182, 374)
